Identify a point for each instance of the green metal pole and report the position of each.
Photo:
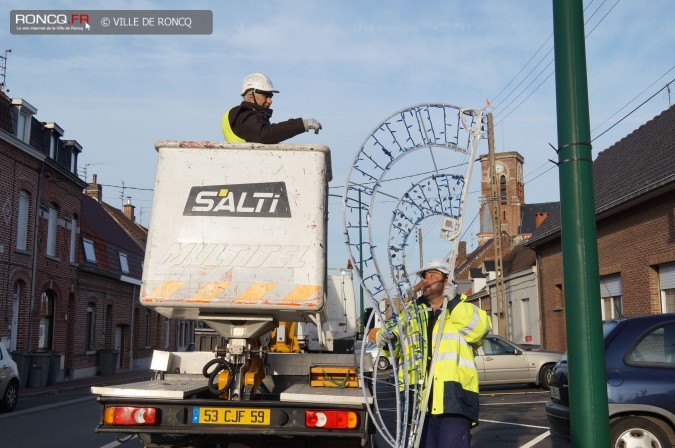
(586, 360)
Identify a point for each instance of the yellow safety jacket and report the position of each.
(455, 377)
(228, 133)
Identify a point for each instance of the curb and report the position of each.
(85, 383)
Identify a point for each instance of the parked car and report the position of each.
(640, 363)
(500, 361)
(9, 381)
(380, 360)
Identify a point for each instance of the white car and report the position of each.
(379, 359)
(500, 361)
(9, 381)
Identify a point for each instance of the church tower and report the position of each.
(509, 169)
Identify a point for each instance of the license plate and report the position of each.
(231, 416)
(555, 392)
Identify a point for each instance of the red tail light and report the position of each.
(129, 416)
(332, 419)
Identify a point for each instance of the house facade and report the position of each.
(40, 195)
(634, 190)
(70, 264)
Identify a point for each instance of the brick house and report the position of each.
(634, 189)
(40, 197)
(70, 264)
(116, 332)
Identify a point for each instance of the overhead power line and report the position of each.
(515, 93)
(629, 113)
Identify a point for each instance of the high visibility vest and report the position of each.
(228, 133)
(455, 376)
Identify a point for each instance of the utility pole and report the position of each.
(496, 232)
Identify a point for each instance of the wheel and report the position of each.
(637, 431)
(546, 376)
(382, 363)
(11, 396)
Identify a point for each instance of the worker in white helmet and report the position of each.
(452, 386)
(250, 121)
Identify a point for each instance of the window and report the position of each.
(89, 253)
(610, 295)
(16, 303)
(667, 287)
(668, 299)
(90, 327)
(22, 117)
(147, 328)
(502, 187)
(526, 316)
(124, 264)
(51, 230)
(108, 335)
(53, 140)
(559, 298)
(494, 346)
(22, 225)
(73, 240)
(47, 300)
(167, 332)
(23, 127)
(655, 348)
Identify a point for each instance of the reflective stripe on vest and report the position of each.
(228, 133)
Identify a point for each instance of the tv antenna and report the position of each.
(83, 170)
(3, 69)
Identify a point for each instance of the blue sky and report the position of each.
(350, 64)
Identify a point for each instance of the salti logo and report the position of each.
(253, 200)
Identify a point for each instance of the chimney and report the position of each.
(129, 210)
(461, 252)
(539, 218)
(94, 190)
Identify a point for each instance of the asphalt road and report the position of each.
(510, 417)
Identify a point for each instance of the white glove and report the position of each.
(311, 124)
(384, 337)
(450, 290)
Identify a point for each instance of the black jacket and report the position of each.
(252, 123)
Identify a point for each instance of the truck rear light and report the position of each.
(332, 419)
(129, 416)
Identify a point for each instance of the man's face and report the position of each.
(434, 281)
(263, 99)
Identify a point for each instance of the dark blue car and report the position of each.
(640, 362)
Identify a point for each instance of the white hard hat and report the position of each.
(437, 265)
(257, 81)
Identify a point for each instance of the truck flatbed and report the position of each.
(180, 387)
(170, 387)
(304, 393)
